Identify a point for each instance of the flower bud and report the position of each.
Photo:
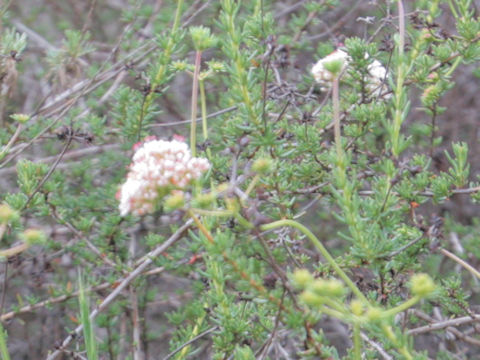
(357, 307)
(21, 118)
(179, 65)
(422, 285)
(33, 236)
(175, 201)
(262, 165)
(374, 314)
(334, 66)
(302, 278)
(310, 298)
(202, 38)
(7, 214)
(204, 200)
(216, 66)
(331, 288)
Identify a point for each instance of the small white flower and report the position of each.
(376, 81)
(158, 167)
(377, 71)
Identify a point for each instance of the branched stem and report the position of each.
(402, 307)
(323, 251)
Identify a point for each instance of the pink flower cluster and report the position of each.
(158, 167)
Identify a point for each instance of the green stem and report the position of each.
(219, 213)
(455, 64)
(203, 103)
(401, 28)
(402, 307)
(335, 304)
(240, 71)
(402, 349)
(333, 313)
(323, 251)
(193, 126)
(252, 184)
(162, 70)
(3, 344)
(452, 9)
(198, 325)
(398, 116)
(12, 140)
(336, 117)
(178, 13)
(357, 342)
(399, 90)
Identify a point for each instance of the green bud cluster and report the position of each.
(202, 38)
(422, 285)
(316, 291)
(33, 236)
(7, 214)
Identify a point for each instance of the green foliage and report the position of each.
(12, 41)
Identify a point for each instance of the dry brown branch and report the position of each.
(444, 324)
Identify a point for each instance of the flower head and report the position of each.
(322, 70)
(158, 167)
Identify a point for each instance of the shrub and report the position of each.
(328, 184)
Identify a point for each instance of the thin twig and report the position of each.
(49, 173)
(428, 193)
(136, 332)
(217, 113)
(4, 289)
(444, 324)
(404, 247)
(194, 104)
(70, 155)
(466, 265)
(266, 346)
(376, 346)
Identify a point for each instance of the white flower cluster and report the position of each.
(323, 76)
(158, 167)
(375, 79)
